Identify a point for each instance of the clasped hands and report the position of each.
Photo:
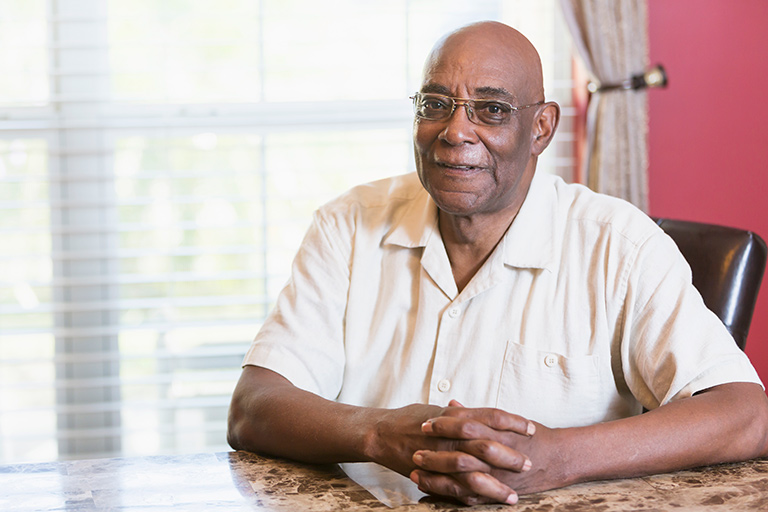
(474, 455)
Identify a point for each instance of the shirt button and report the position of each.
(454, 312)
(443, 385)
(550, 360)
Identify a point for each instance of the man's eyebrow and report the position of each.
(480, 92)
(494, 92)
(435, 89)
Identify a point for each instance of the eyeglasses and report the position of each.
(436, 107)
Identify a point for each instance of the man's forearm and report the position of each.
(726, 423)
(269, 415)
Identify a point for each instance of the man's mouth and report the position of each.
(459, 167)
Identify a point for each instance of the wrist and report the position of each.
(369, 445)
(552, 464)
(564, 473)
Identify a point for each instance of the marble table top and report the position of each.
(239, 481)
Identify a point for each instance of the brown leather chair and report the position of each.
(727, 265)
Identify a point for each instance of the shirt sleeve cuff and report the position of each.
(738, 370)
(282, 362)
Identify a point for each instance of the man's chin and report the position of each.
(453, 202)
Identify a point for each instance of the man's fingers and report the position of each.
(475, 455)
(470, 488)
(469, 428)
(496, 419)
(449, 462)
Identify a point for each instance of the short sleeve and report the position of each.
(672, 345)
(302, 338)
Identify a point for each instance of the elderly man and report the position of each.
(553, 314)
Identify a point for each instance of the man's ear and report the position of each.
(544, 126)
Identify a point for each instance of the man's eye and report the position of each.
(433, 104)
(494, 108)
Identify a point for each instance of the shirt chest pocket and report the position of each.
(551, 388)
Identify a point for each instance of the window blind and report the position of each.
(159, 164)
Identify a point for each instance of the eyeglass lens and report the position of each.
(436, 107)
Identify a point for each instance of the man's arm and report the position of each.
(725, 423)
(269, 415)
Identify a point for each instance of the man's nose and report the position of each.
(459, 128)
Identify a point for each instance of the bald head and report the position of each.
(510, 51)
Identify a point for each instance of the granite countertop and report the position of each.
(239, 481)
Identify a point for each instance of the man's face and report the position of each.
(470, 169)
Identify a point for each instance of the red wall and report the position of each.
(709, 128)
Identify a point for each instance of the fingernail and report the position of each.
(418, 458)
(511, 499)
(527, 465)
(414, 477)
(426, 426)
(531, 429)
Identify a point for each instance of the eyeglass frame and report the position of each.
(469, 107)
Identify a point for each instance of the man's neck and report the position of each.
(469, 241)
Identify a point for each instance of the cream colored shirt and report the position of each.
(583, 313)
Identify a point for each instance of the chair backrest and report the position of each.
(727, 265)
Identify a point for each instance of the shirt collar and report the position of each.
(531, 240)
(417, 224)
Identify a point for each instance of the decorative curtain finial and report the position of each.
(654, 77)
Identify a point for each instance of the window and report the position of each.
(159, 164)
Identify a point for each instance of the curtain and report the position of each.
(612, 39)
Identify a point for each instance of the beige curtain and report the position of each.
(611, 36)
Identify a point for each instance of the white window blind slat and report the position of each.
(159, 164)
